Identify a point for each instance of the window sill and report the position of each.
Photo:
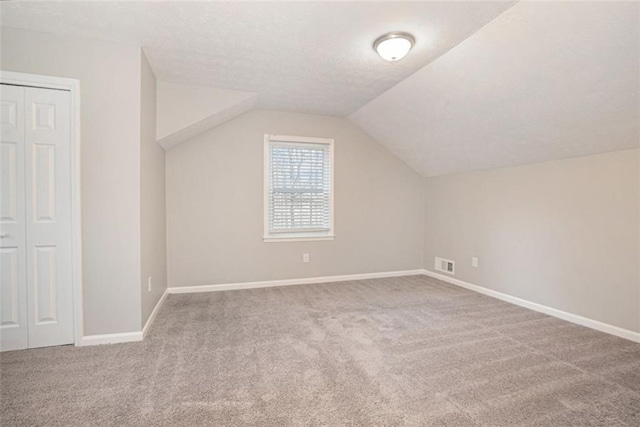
(297, 238)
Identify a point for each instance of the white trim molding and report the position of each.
(111, 338)
(570, 317)
(290, 282)
(152, 316)
(298, 238)
(124, 337)
(73, 86)
(573, 318)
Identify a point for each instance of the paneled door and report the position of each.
(36, 218)
(13, 238)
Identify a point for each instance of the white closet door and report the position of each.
(13, 281)
(48, 217)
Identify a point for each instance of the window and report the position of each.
(298, 175)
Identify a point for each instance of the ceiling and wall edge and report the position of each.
(443, 119)
(505, 83)
(208, 123)
(540, 82)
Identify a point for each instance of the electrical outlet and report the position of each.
(474, 262)
(305, 257)
(149, 283)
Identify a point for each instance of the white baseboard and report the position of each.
(153, 314)
(573, 318)
(290, 282)
(111, 338)
(140, 335)
(125, 336)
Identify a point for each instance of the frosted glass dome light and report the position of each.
(394, 46)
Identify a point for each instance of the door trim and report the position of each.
(73, 86)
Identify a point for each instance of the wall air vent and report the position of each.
(445, 265)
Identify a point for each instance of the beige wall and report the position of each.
(152, 203)
(215, 206)
(109, 77)
(563, 234)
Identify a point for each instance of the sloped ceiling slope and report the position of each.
(184, 111)
(543, 81)
(180, 106)
(314, 57)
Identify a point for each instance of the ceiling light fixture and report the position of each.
(394, 46)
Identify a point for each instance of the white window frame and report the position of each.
(296, 236)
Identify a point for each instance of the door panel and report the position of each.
(9, 195)
(10, 313)
(44, 285)
(13, 284)
(44, 185)
(48, 217)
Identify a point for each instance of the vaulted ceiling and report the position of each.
(488, 84)
(305, 56)
(543, 81)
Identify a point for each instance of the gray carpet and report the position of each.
(400, 351)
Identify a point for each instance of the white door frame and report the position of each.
(73, 86)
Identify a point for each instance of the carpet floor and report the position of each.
(399, 351)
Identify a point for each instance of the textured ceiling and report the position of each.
(303, 56)
(488, 84)
(543, 81)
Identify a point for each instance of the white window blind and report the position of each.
(298, 187)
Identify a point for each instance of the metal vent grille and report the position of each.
(445, 265)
